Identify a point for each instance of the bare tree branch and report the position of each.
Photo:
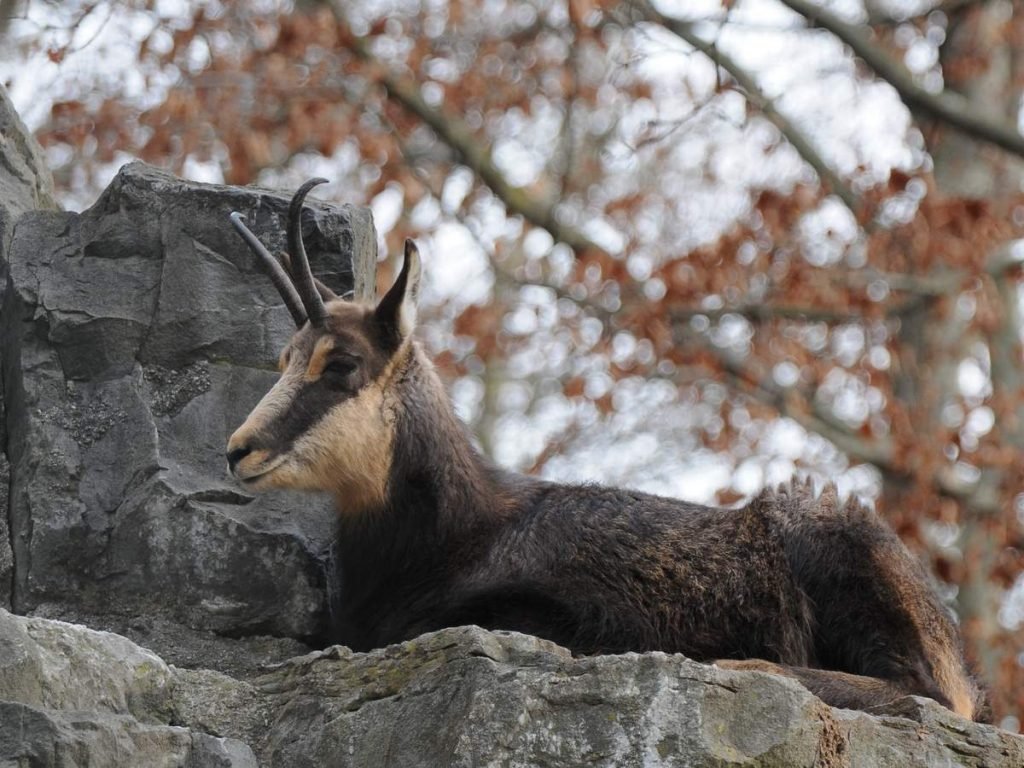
(500, 271)
(566, 138)
(684, 31)
(460, 139)
(936, 284)
(978, 497)
(949, 7)
(8, 11)
(763, 312)
(947, 107)
(921, 288)
(801, 408)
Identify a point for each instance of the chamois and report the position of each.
(433, 535)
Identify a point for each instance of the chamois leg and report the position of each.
(876, 614)
(837, 689)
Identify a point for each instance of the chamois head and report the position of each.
(328, 422)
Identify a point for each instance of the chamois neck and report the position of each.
(442, 505)
(439, 487)
(436, 470)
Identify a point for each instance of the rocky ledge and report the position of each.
(459, 697)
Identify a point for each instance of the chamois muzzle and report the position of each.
(235, 455)
(301, 292)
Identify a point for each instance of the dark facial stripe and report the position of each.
(311, 403)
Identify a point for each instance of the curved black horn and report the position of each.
(325, 293)
(273, 268)
(304, 282)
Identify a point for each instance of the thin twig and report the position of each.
(756, 96)
(458, 137)
(945, 106)
(801, 408)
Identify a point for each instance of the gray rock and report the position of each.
(37, 738)
(6, 556)
(143, 333)
(468, 697)
(70, 696)
(183, 646)
(60, 666)
(458, 697)
(25, 184)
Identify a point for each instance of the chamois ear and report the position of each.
(396, 312)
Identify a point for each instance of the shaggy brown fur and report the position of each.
(433, 535)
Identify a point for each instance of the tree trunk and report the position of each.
(980, 61)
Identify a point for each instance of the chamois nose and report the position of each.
(235, 455)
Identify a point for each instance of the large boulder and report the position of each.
(136, 337)
(25, 182)
(73, 697)
(468, 697)
(25, 185)
(458, 697)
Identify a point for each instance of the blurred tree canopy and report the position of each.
(691, 246)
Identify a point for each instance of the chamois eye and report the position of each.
(341, 366)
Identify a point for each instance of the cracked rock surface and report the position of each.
(136, 336)
(458, 697)
(25, 185)
(70, 697)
